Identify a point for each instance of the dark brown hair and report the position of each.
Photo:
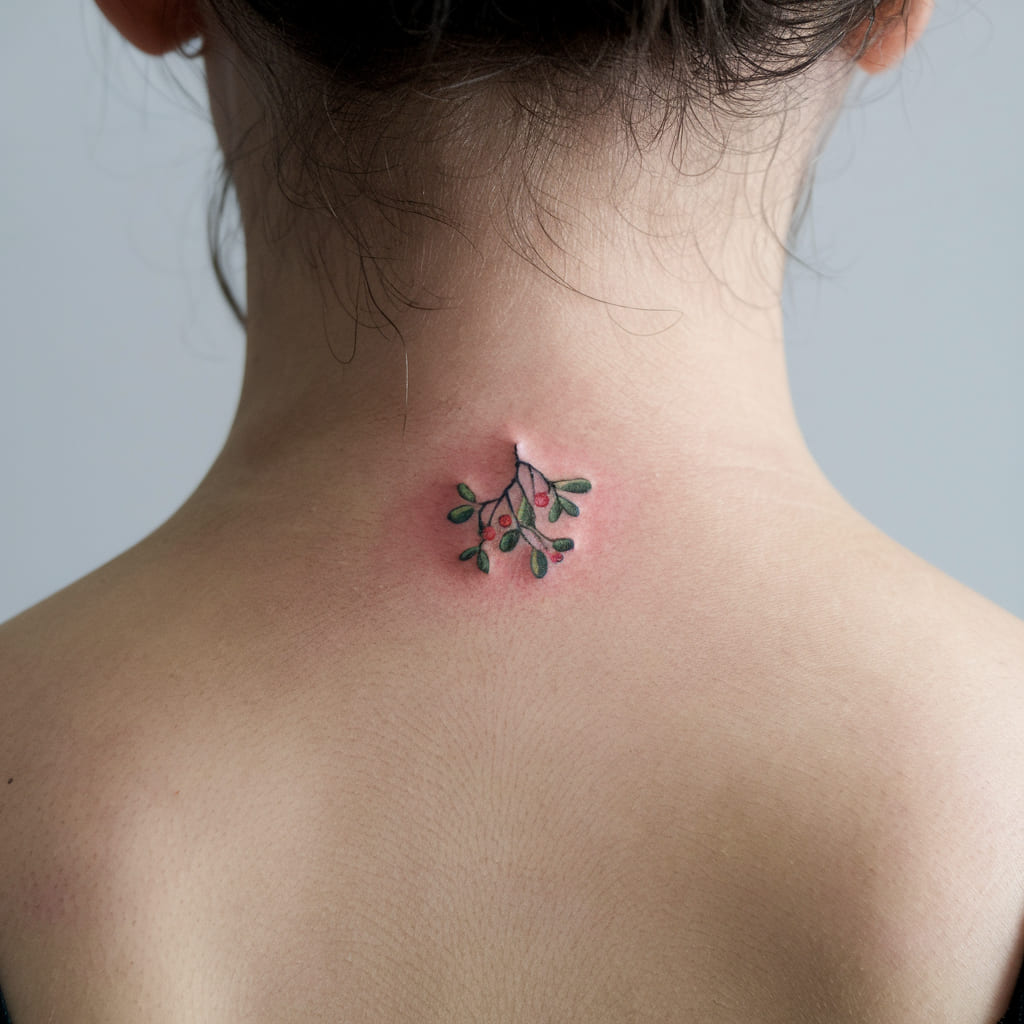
(337, 78)
(725, 44)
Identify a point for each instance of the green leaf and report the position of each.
(576, 486)
(468, 553)
(538, 563)
(460, 513)
(563, 544)
(483, 563)
(465, 492)
(509, 540)
(555, 511)
(525, 515)
(569, 507)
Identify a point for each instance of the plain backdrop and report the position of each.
(120, 365)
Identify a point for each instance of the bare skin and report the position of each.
(740, 757)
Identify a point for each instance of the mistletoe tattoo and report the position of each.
(515, 511)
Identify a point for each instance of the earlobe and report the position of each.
(154, 26)
(897, 25)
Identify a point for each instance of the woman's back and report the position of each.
(677, 737)
(782, 788)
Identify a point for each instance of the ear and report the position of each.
(154, 26)
(898, 24)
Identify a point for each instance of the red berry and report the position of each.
(541, 501)
(505, 520)
(489, 533)
(557, 556)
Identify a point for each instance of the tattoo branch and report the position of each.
(511, 517)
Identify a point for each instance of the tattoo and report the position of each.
(528, 490)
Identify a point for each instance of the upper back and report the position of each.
(723, 805)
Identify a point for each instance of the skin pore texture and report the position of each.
(739, 756)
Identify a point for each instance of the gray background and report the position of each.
(120, 366)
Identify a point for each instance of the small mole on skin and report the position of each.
(9, 781)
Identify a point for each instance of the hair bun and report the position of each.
(730, 43)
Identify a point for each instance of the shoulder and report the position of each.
(78, 674)
(925, 743)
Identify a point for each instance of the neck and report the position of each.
(640, 359)
(697, 373)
